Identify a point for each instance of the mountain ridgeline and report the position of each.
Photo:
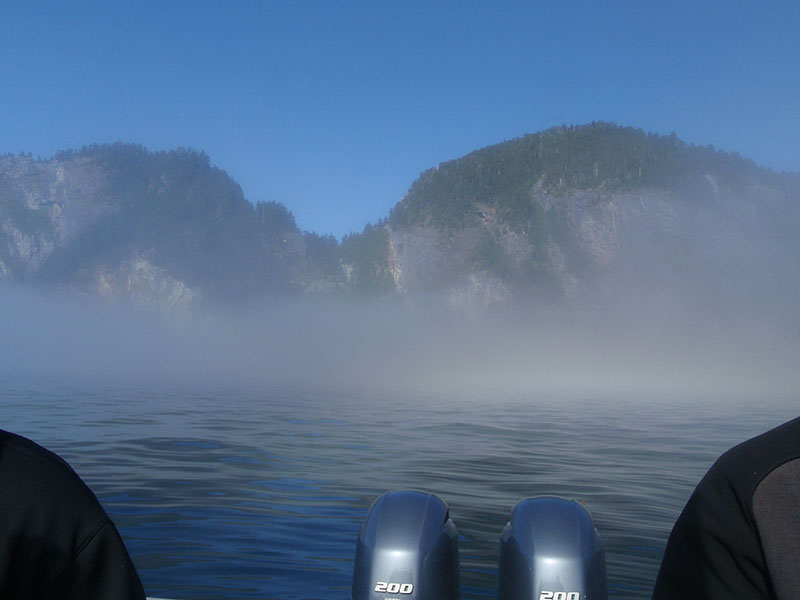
(567, 215)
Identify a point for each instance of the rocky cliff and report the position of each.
(44, 204)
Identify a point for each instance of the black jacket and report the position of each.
(739, 535)
(56, 542)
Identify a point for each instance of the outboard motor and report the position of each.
(550, 550)
(407, 550)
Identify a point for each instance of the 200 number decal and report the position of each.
(560, 596)
(385, 587)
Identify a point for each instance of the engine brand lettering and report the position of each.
(386, 587)
(560, 596)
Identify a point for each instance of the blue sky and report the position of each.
(334, 108)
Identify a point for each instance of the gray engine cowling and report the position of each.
(550, 550)
(407, 550)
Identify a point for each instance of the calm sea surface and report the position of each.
(224, 494)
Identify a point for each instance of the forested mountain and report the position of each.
(570, 213)
(558, 216)
(599, 157)
(163, 228)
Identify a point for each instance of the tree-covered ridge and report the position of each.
(364, 257)
(189, 217)
(599, 157)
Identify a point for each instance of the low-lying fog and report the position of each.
(659, 346)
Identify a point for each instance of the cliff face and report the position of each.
(44, 205)
(425, 260)
(647, 239)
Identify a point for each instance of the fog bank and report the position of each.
(656, 346)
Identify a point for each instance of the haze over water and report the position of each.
(238, 453)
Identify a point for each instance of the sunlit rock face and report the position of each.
(140, 284)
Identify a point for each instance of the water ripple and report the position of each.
(226, 495)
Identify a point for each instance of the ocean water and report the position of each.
(242, 494)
